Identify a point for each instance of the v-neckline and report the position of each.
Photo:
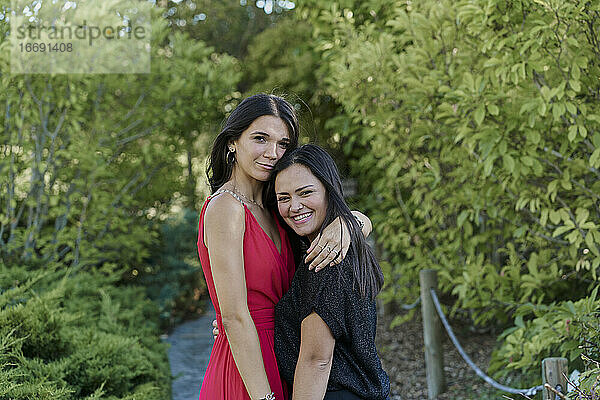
(271, 241)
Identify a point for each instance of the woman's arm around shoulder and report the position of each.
(224, 227)
(330, 247)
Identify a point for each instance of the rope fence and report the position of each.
(527, 392)
(554, 369)
(408, 307)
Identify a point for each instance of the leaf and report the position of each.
(493, 109)
(596, 139)
(558, 109)
(575, 85)
(572, 133)
(554, 216)
(575, 71)
(531, 120)
(544, 217)
(595, 158)
(564, 215)
(561, 229)
(461, 218)
(531, 105)
(534, 137)
(573, 236)
(545, 91)
(509, 162)
(519, 321)
(479, 114)
(527, 160)
(581, 215)
(589, 240)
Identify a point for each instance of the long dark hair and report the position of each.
(219, 170)
(366, 270)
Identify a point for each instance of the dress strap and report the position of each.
(234, 194)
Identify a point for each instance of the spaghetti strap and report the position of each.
(234, 194)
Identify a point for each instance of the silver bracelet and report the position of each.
(270, 396)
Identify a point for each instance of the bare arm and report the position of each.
(330, 247)
(314, 361)
(223, 235)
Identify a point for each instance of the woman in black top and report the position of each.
(325, 324)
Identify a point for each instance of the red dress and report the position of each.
(268, 276)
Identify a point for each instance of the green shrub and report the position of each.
(473, 128)
(73, 336)
(588, 326)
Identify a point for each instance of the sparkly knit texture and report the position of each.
(352, 320)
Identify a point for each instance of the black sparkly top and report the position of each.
(352, 320)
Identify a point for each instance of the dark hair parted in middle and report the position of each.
(366, 270)
(251, 108)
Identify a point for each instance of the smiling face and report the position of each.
(301, 199)
(260, 146)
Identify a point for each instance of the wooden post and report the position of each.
(432, 336)
(552, 373)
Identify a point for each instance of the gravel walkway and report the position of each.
(191, 343)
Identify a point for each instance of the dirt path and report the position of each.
(402, 355)
(191, 343)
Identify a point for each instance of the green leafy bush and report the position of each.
(89, 161)
(76, 336)
(91, 165)
(588, 325)
(473, 128)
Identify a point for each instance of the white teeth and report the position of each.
(301, 216)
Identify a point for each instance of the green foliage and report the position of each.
(69, 335)
(90, 167)
(556, 330)
(174, 278)
(229, 26)
(88, 160)
(473, 128)
(283, 60)
(589, 326)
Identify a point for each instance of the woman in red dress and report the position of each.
(245, 254)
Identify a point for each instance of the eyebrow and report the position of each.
(267, 135)
(297, 190)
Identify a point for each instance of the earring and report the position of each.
(230, 156)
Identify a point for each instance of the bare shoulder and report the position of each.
(224, 214)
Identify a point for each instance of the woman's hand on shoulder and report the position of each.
(330, 247)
